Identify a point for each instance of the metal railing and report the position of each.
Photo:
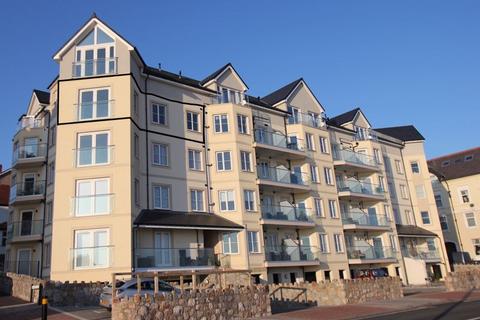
(315, 121)
(174, 257)
(93, 156)
(282, 175)
(29, 123)
(24, 228)
(94, 67)
(27, 188)
(421, 254)
(94, 110)
(360, 187)
(95, 204)
(365, 219)
(29, 151)
(276, 139)
(354, 157)
(291, 253)
(27, 267)
(370, 252)
(288, 213)
(92, 257)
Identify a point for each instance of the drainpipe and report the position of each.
(45, 197)
(206, 159)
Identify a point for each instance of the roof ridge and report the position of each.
(454, 153)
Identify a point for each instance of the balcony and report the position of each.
(289, 256)
(93, 156)
(92, 257)
(93, 110)
(348, 160)
(279, 145)
(231, 96)
(358, 220)
(363, 134)
(311, 120)
(29, 155)
(27, 192)
(29, 123)
(370, 254)
(91, 205)
(27, 267)
(286, 216)
(27, 230)
(360, 191)
(273, 177)
(422, 254)
(94, 67)
(151, 259)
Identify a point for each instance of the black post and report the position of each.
(44, 307)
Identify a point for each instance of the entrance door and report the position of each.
(378, 248)
(23, 261)
(163, 255)
(26, 223)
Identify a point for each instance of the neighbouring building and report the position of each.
(456, 185)
(4, 196)
(121, 166)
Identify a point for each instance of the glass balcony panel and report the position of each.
(370, 252)
(92, 257)
(354, 157)
(25, 228)
(94, 67)
(93, 155)
(288, 213)
(356, 186)
(277, 140)
(421, 253)
(174, 257)
(92, 204)
(282, 175)
(291, 253)
(29, 151)
(365, 219)
(27, 188)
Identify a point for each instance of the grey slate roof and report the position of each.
(458, 166)
(282, 93)
(413, 231)
(42, 96)
(343, 118)
(404, 133)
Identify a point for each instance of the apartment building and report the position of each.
(4, 196)
(137, 168)
(456, 185)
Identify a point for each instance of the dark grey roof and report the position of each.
(343, 118)
(196, 220)
(404, 133)
(413, 231)
(175, 77)
(218, 72)
(455, 165)
(42, 96)
(282, 93)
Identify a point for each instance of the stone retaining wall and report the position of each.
(20, 286)
(464, 278)
(206, 304)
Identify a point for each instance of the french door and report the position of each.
(163, 254)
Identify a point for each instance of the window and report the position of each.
(135, 103)
(47, 249)
(323, 243)
(469, 157)
(137, 191)
(161, 197)
(227, 200)
(49, 212)
(431, 245)
(337, 238)
(249, 196)
(386, 210)
(229, 95)
(92, 197)
(398, 166)
(242, 124)
(221, 123)
(425, 217)
(470, 217)
(194, 159)
(160, 154)
(403, 191)
(53, 135)
(192, 121)
(415, 167)
(476, 246)
(230, 243)
(51, 172)
(159, 113)
(328, 176)
(93, 149)
(196, 200)
(332, 207)
(381, 183)
(445, 163)
(91, 249)
(408, 219)
(94, 104)
(245, 161)
(420, 191)
(444, 222)
(438, 200)
(319, 207)
(464, 196)
(377, 156)
(324, 145)
(393, 242)
(309, 140)
(253, 245)
(136, 145)
(314, 173)
(224, 162)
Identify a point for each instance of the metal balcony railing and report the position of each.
(276, 139)
(95, 204)
(370, 252)
(360, 187)
(27, 267)
(354, 157)
(421, 253)
(92, 257)
(93, 156)
(315, 121)
(25, 228)
(27, 188)
(282, 175)
(365, 219)
(291, 253)
(94, 67)
(174, 257)
(29, 151)
(287, 213)
(94, 110)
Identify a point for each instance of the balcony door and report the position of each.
(378, 248)
(372, 216)
(31, 147)
(24, 257)
(28, 184)
(163, 254)
(267, 206)
(26, 223)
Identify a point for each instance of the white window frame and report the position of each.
(167, 155)
(191, 123)
(324, 145)
(158, 106)
(403, 191)
(412, 163)
(250, 198)
(243, 124)
(221, 118)
(310, 141)
(314, 173)
(444, 219)
(253, 241)
(323, 243)
(328, 176)
(93, 148)
(460, 193)
(169, 190)
(427, 217)
(337, 239)
(197, 166)
(319, 210)
(222, 168)
(197, 200)
(332, 209)
(93, 196)
(377, 156)
(230, 197)
(472, 217)
(398, 166)
(91, 232)
(229, 245)
(438, 198)
(393, 242)
(245, 158)
(94, 103)
(420, 191)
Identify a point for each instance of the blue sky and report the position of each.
(402, 62)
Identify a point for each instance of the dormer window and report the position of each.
(95, 55)
(227, 95)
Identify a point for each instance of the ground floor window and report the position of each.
(91, 249)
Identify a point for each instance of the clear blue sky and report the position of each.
(402, 62)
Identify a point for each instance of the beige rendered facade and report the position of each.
(456, 184)
(143, 169)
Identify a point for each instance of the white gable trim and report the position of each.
(245, 87)
(83, 32)
(308, 92)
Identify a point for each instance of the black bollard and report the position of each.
(44, 307)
